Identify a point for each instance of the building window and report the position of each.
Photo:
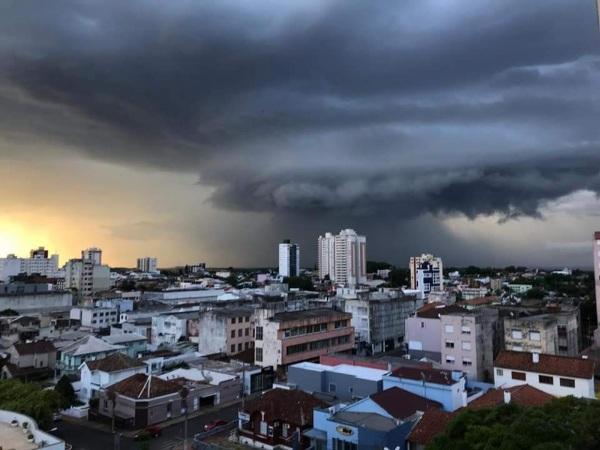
(466, 345)
(259, 333)
(233, 348)
(258, 355)
(518, 375)
(449, 344)
(465, 330)
(467, 362)
(247, 318)
(331, 387)
(233, 320)
(535, 336)
(499, 372)
(450, 359)
(232, 333)
(339, 444)
(449, 328)
(544, 379)
(247, 332)
(422, 324)
(567, 382)
(517, 334)
(240, 347)
(240, 332)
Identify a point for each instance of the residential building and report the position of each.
(289, 259)
(277, 419)
(228, 388)
(470, 339)
(519, 288)
(446, 387)
(426, 273)
(95, 318)
(472, 293)
(424, 330)
(147, 264)
(343, 258)
(38, 263)
(168, 329)
(88, 348)
(383, 420)
(30, 361)
(86, 277)
(143, 400)
(379, 317)
(134, 343)
(596, 248)
(288, 337)
(93, 254)
(531, 334)
(102, 373)
(13, 437)
(557, 375)
(226, 330)
(343, 382)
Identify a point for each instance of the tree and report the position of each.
(8, 312)
(29, 399)
(66, 391)
(565, 423)
(302, 283)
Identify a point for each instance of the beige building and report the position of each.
(531, 334)
(226, 330)
(343, 258)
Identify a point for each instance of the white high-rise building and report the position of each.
(93, 254)
(343, 257)
(38, 262)
(147, 264)
(426, 273)
(597, 283)
(289, 259)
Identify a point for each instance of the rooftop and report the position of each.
(38, 347)
(523, 395)
(114, 363)
(372, 421)
(365, 373)
(308, 314)
(88, 345)
(434, 310)
(13, 438)
(437, 376)
(549, 364)
(401, 404)
(292, 406)
(122, 338)
(433, 423)
(141, 386)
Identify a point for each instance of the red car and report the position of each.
(214, 424)
(152, 431)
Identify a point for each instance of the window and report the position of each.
(247, 318)
(232, 333)
(518, 375)
(467, 362)
(233, 320)
(449, 344)
(465, 330)
(450, 359)
(517, 334)
(422, 324)
(258, 355)
(331, 387)
(240, 347)
(259, 333)
(449, 328)
(535, 336)
(247, 332)
(545, 379)
(339, 444)
(466, 345)
(567, 382)
(232, 348)
(240, 332)
(499, 372)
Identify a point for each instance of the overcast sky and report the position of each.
(210, 130)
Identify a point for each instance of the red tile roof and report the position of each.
(551, 364)
(114, 363)
(401, 404)
(292, 406)
(432, 424)
(138, 386)
(38, 347)
(437, 376)
(523, 395)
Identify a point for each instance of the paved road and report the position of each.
(85, 438)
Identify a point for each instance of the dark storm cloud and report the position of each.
(360, 107)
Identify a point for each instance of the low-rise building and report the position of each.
(531, 334)
(102, 373)
(88, 348)
(30, 361)
(134, 343)
(557, 375)
(288, 337)
(226, 330)
(95, 318)
(13, 437)
(277, 419)
(228, 387)
(343, 382)
(168, 329)
(519, 288)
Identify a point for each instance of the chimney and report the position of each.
(535, 357)
(506, 397)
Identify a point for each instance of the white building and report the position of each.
(93, 254)
(95, 318)
(426, 273)
(38, 262)
(343, 258)
(557, 375)
(289, 259)
(86, 276)
(14, 437)
(147, 264)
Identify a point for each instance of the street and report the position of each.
(83, 437)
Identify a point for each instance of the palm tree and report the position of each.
(183, 393)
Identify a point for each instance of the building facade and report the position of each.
(226, 330)
(343, 258)
(147, 264)
(426, 273)
(86, 277)
(38, 263)
(289, 259)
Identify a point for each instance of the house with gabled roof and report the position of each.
(30, 361)
(88, 348)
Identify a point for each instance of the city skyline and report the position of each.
(209, 131)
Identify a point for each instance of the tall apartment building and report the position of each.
(470, 340)
(426, 273)
(289, 337)
(147, 264)
(87, 275)
(226, 330)
(343, 257)
(289, 259)
(38, 263)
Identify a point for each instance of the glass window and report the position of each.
(567, 382)
(517, 334)
(233, 320)
(545, 379)
(331, 387)
(518, 375)
(233, 348)
(449, 328)
(259, 333)
(450, 359)
(465, 330)
(499, 372)
(258, 355)
(535, 336)
(466, 345)
(467, 362)
(449, 344)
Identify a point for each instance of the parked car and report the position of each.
(214, 424)
(148, 433)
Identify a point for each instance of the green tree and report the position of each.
(66, 391)
(302, 283)
(29, 399)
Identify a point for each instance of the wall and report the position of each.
(451, 397)
(52, 442)
(423, 334)
(42, 302)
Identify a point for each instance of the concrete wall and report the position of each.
(423, 334)
(42, 302)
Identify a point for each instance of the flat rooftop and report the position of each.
(365, 373)
(13, 438)
(308, 314)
